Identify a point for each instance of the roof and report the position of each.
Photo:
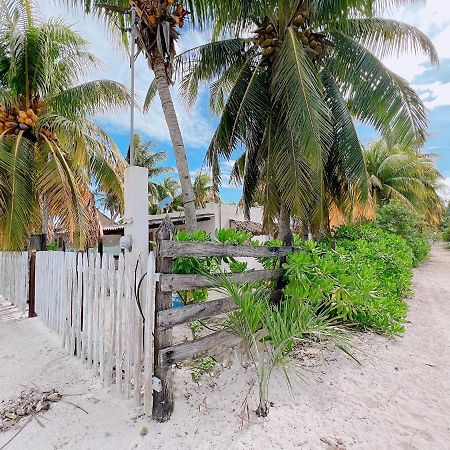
(105, 221)
(177, 218)
(252, 227)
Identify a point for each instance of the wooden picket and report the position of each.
(91, 303)
(14, 278)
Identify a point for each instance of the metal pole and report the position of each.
(132, 56)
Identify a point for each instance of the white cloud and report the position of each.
(444, 191)
(195, 124)
(433, 18)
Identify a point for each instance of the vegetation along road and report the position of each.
(396, 399)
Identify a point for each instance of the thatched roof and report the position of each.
(253, 227)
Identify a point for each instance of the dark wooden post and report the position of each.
(32, 286)
(163, 400)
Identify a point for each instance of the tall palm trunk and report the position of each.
(285, 234)
(178, 144)
(284, 227)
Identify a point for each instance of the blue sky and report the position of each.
(432, 83)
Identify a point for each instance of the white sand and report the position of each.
(398, 399)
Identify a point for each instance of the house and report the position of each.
(212, 217)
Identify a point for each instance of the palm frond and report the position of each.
(375, 94)
(386, 37)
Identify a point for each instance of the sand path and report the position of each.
(399, 398)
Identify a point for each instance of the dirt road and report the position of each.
(399, 398)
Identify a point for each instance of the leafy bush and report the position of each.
(397, 218)
(209, 265)
(446, 230)
(360, 277)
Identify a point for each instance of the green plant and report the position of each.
(290, 108)
(209, 265)
(196, 328)
(360, 277)
(400, 219)
(52, 246)
(270, 333)
(51, 153)
(446, 231)
(204, 366)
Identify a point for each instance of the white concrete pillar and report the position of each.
(136, 214)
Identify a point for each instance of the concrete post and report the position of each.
(136, 214)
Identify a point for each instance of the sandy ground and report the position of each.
(399, 398)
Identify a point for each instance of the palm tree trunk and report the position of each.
(285, 234)
(45, 221)
(284, 227)
(178, 144)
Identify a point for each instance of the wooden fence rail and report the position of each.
(14, 278)
(166, 352)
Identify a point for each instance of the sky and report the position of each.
(197, 125)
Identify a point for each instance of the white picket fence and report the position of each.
(91, 303)
(14, 278)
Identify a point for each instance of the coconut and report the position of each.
(23, 114)
(268, 51)
(23, 126)
(29, 122)
(266, 43)
(269, 28)
(30, 112)
(299, 21)
(304, 40)
(12, 125)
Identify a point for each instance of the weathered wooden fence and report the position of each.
(95, 307)
(166, 352)
(14, 278)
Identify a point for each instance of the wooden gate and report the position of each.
(166, 352)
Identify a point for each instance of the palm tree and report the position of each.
(50, 154)
(158, 25)
(203, 190)
(288, 95)
(169, 188)
(144, 157)
(403, 174)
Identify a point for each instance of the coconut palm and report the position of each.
(288, 94)
(169, 188)
(203, 190)
(158, 29)
(403, 174)
(144, 157)
(50, 154)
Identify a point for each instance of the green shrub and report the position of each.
(209, 265)
(446, 230)
(397, 218)
(360, 277)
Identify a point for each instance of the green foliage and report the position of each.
(203, 367)
(52, 246)
(361, 277)
(397, 218)
(270, 333)
(446, 230)
(189, 265)
(59, 157)
(233, 237)
(291, 112)
(210, 265)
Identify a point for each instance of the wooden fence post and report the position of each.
(163, 400)
(32, 286)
